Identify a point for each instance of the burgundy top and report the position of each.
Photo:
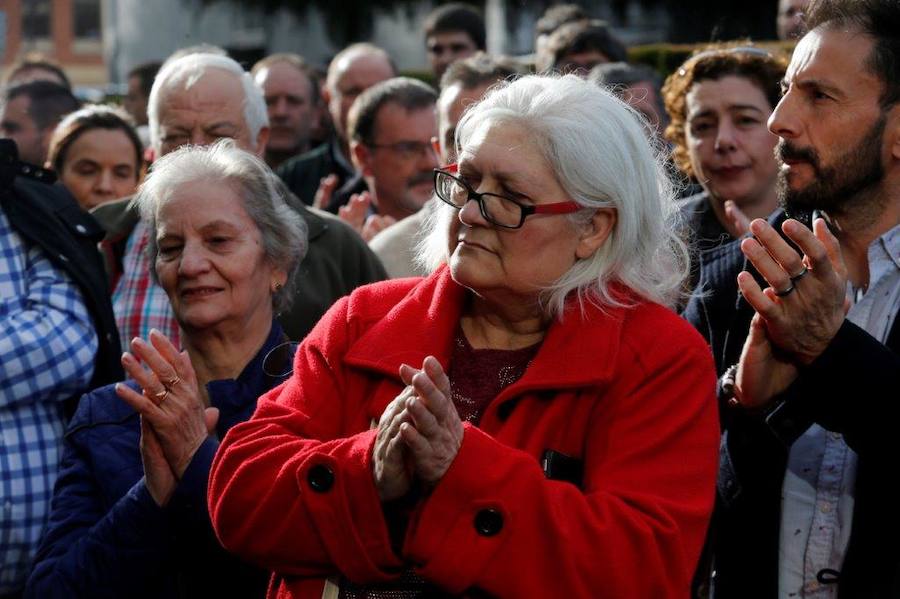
(478, 375)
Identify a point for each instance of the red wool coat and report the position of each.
(630, 393)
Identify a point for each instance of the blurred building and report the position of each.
(98, 41)
(67, 31)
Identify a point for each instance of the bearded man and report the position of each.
(809, 406)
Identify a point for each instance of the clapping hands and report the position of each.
(419, 433)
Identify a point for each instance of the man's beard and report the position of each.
(853, 178)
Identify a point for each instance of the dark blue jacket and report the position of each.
(850, 389)
(108, 538)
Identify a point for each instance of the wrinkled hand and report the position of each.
(326, 189)
(796, 327)
(158, 476)
(391, 467)
(435, 432)
(171, 403)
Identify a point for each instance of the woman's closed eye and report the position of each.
(169, 250)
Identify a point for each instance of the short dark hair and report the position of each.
(582, 36)
(618, 75)
(296, 61)
(87, 119)
(761, 68)
(878, 19)
(457, 17)
(558, 15)
(49, 101)
(410, 94)
(38, 62)
(479, 69)
(145, 74)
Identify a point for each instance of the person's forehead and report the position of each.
(450, 37)
(394, 119)
(283, 76)
(726, 93)
(366, 67)
(18, 106)
(837, 58)
(215, 90)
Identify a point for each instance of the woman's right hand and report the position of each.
(158, 476)
(390, 460)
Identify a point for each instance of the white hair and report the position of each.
(282, 230)
(187, 70)
(602, 156)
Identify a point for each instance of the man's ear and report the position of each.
(436, 146)
(596, 232)
(361, 155)
(892, 130)
(261, 140)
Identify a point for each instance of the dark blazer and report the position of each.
(48, 217)
(302, 174)
(107, 537)
(851, 389)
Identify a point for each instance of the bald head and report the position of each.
(353, 71)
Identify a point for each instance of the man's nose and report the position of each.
(783, 121)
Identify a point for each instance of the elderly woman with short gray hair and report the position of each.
(531, 420)
(129, 514)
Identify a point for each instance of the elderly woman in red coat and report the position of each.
(531, 420)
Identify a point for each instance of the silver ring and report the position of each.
(785, 292)
(799, 275)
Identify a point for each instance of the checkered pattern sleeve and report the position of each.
(47, 349)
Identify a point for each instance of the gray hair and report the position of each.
(283, 231)
(596, 146)
(187, 70)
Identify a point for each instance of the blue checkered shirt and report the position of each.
(47, 349)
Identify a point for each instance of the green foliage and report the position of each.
(665, 58)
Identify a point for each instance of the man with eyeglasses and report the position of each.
(463, 84)
(315, 175)
(452, 31)
(390, 128)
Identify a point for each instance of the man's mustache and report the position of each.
(423, 177)
(787, 151)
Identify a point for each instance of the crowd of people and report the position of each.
(568, 328)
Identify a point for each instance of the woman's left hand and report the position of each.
(171, 402)
(436, 433)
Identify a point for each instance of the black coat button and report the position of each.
(320, 478)
(488, 522)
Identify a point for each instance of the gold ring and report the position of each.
(161, 396)
(173, 381)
